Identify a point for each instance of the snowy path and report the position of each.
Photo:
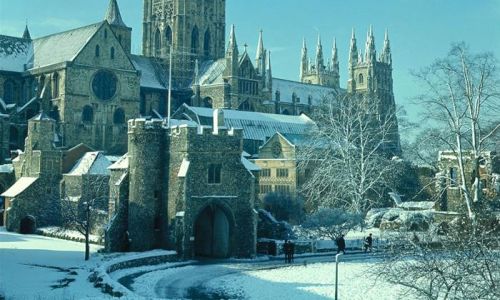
(242, 280)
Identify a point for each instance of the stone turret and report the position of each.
(123, 32)
(26, 34)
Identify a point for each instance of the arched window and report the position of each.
(277, 95)
(97, 51)
(119, 116)
(285, 112)
(360, 79)
(168, 35)
(105, 33)
(8, 92)
(195, 37)
(87, 114)
(206, 44)
(245, 106)
(55, 85)
(157, 43)
(112, 54)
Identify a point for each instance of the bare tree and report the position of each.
(331, 223)
(459, 263)
(461, 94)
(347, 153)
(86, 212)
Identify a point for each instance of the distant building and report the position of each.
(449, 177)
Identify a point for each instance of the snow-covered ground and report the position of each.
(38, 267)
(267, 281)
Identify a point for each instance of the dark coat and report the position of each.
(340, 243)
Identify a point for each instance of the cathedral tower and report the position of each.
(372, 76)
(194, 30)
(317, 72)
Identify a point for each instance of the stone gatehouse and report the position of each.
(186, 188)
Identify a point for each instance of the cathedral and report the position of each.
(80, 103)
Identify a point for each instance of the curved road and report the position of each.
(190, 282)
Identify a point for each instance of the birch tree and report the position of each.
(346, 154)
(461, 95)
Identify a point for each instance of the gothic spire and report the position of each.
(320, 62)
(304, 63)
(113, 15)
(370, 52)
(335, 57)
(261, 55)
(233, 45)
(386, 56)
(26, 34)
(353, 51)
(269, 74)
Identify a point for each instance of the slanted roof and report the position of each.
(151, 76)
(120, 164)
(255, 125)
(211, 72)
(20, 186)
(7, 168)
(42, 117)
(63, 46)
(93, 163)
(250, 166)
(302, 90)
(14, 53)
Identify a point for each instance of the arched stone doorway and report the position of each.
(28, 225)
(212, 233)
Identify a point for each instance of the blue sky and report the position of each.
(420, 31)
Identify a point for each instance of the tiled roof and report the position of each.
(211, 72)
(94, 163)
(255, 125)
(63, 46)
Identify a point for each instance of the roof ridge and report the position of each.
(69, 30)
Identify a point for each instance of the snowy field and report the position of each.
(37, 267)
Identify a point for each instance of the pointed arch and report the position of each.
(112, 53)
(157, 42)
(360, 79)
(195, 40)
(207, 43)
(168, 36)
(97, 51)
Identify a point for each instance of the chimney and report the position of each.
(218, 120)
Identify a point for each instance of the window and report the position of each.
(105, 33)
(277, 95)
(168, 35)
(214, 171)
(285, 189)
(97, 51)
(206, 44)
(195, 37)
(87, 114)
(360, 79)
(265, 173)
(8, 92)
(282, 172)
(104, 84)
(265, 189)
(119, 116)
(453, 176)
(112, 54)
(55, 85)
(157, 42)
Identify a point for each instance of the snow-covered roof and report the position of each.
(94, 163)
(120, 164)
(210, 72)
(63, 46)
(20, 186)
(418, 205)
(250, 166)
(7, 168)
(151, 76)
(42, 117)
(302, 91)
(14, 53)
(255, 125)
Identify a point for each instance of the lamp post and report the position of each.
(337, 274)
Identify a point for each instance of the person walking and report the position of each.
(340, 244)
(292, 251)
(286, 250)
(368, 243)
